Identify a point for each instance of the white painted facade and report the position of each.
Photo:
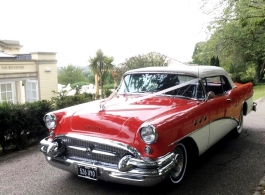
(26, 77)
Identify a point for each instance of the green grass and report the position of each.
(259, 91)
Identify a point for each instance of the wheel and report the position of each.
(237, 131)
(180, 163)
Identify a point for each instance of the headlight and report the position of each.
(148, 134)
(50, 121)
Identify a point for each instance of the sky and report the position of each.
(76, 29)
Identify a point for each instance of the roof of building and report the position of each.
(10, 43)
(5, 55)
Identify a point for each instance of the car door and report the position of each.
(219, 108)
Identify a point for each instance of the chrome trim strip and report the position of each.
(103, 152)
(77, 148)
(95, 151)
(123, 176)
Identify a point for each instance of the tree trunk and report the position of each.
(96, 86)
(260, 70)
(101, 85)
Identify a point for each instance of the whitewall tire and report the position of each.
(180, 164)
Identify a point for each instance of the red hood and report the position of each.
(121, 117)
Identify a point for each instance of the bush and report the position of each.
(109, 86)
(242, 73)
(63, 101)
(107, 92)
(22, 124)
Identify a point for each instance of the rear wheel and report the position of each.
(180, 163)
(237, 131)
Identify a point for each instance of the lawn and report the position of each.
(259, 91)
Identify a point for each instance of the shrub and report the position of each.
(22, 124)
(109, 86)
(107, 92)
(242, 73)
(63, 101)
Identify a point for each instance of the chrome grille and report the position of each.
(95, 158)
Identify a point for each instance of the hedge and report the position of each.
(22, 124)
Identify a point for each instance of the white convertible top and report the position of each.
(197, 71)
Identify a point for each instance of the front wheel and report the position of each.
(180, 163)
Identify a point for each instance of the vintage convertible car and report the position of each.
(150, 127)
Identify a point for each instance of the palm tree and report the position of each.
(98, 65)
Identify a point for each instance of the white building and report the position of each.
(37, 71)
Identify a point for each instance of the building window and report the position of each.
(31, 91)
(6, 92)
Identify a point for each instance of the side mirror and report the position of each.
(210, 95)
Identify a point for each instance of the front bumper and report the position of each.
(140, 171)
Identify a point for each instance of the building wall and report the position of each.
(47, 73)
(42, 67)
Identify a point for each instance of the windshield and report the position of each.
(155, 82)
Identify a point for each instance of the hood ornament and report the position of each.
(102, 105)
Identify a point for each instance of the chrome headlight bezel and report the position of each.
(50, 121)
(148, 133)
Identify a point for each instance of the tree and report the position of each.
(199, 56)
(238, 34)
(98, 65)
(214, 61)
(140, 61)
(70, 74)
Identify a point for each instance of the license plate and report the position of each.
(87, 172)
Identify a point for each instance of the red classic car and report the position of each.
(149, 128)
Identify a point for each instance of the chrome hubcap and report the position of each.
(179, 163)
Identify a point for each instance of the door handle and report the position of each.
(228, 99)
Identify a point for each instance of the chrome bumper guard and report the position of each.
(254, 108)
(130, 170)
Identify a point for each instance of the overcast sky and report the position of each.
(76, 29)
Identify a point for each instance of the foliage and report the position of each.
(70, 74)
(109, 86)
(100, 65)
(63, 101)
(22, 124)
(140, 61)
(79, 84)
(214, 61)
(198, 56)
(107, 92)
(238, 35)
(259, 91)
(242, 73)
